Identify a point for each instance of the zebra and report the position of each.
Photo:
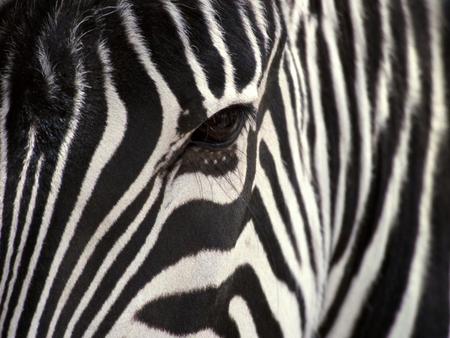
(224, 168)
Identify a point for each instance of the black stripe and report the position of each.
(237, 41)
(330, 117)
(94, 262)
(191, 312)
(202, 46)
(387, 148)
(268, 165)
(167, 53)
(347, 57)
(434, 308)
(374, 38)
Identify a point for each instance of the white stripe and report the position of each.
(374, 254)
(240, 313)
(329, 26)
(306, 278)
(255, 49)
(384, 80)
(140, 330)
(294, 210)
(306, 184)
(363, 102)
(406, 316)
(182, 188)
(365, 141)
(278, 226)
(4, 110)
(132, 269)
(116, 122)
(210, 269)
(300, 99)
(300, 11)
(196, 67)
(171, 111)
(52, 197)
(321, 146)
(261, 21)
(275, 47)
(306, 177)
(113, 253)
(211, 104)
(23, 239)
(16, 209)
(362, 99)
(217, 37)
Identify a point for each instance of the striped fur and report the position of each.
(328, 217)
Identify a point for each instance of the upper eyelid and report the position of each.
(248, 109)
(248, 101)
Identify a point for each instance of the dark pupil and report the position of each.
(219, 128)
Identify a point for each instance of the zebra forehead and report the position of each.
(66, 21)
(54, 35)
(51, 43)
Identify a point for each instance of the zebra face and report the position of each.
(203, 168)
(141, 148)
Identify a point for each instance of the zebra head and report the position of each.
(223, 168)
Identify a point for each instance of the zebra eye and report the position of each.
(221, 130)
